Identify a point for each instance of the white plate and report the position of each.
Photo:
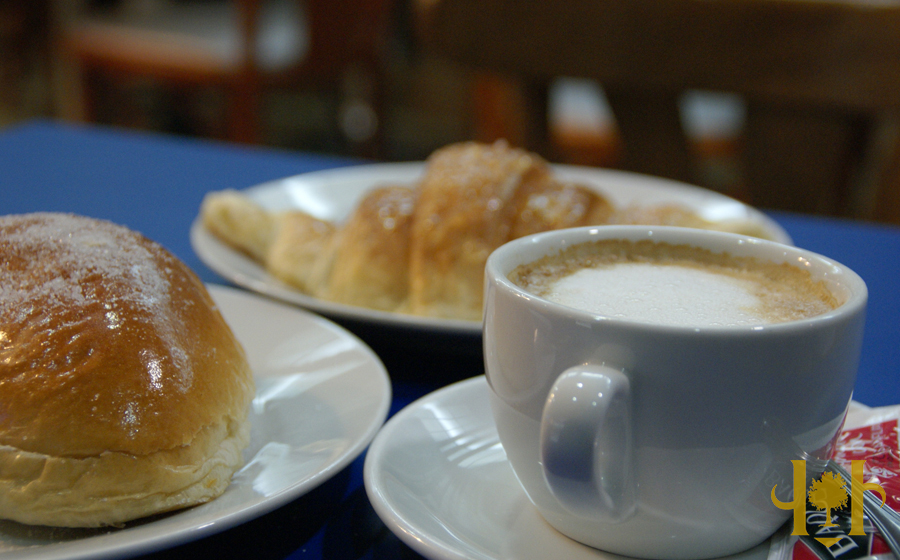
(321, 397)
(332, 194)
(438, 477)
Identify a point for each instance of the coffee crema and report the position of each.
(669, 284)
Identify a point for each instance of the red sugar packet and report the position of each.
(870, 434)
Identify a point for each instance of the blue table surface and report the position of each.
(154, 184)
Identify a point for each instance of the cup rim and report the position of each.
(503, 260)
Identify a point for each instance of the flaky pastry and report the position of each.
(421, 249)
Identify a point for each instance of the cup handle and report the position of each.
(585, 445)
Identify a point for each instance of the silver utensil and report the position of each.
(884, 517)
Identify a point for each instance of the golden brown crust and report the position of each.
(553, 204)
(465, 210)
(371, 254)
(113, 488)
(662, 215)
(239, 222)
(109, 342)
(302, 251)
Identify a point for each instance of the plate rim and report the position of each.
(214, 524)
(408, 533)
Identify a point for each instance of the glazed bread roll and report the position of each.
(123, 391)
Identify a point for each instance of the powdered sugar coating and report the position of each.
(64, 252)
(64, 280)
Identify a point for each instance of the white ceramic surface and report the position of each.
(321, 397)
(699, 423)
(438, 477)
(332, 194)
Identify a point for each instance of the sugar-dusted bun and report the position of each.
(123, 392)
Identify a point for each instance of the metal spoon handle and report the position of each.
(884, 517)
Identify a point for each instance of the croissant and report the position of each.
(472, 199)
(421, 249)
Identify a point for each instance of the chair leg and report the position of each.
(91, 90)
(536, 99)
(243, 118)
(801, 160)
(69, 88)
(889, 198)
(652, 135)
(887, 207)
(514, 110)
(361, 114)
(496, 109)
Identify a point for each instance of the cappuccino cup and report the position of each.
(651, 385)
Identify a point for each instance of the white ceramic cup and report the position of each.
(659, 441)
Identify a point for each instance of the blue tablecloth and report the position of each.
(154, 184)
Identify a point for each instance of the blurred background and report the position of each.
(793, 109)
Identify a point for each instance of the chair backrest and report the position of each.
(844, 53)
(339, 32)
(309, 44)
(347, 30)
(332, 33)
(828, 69)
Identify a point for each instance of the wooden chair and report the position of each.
(821, 81)
(24, 59)
(240, 46)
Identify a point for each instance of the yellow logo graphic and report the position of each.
(826, 493)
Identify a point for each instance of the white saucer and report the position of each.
(437, 476)
(321, 395)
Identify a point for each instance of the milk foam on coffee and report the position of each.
(669, 284)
